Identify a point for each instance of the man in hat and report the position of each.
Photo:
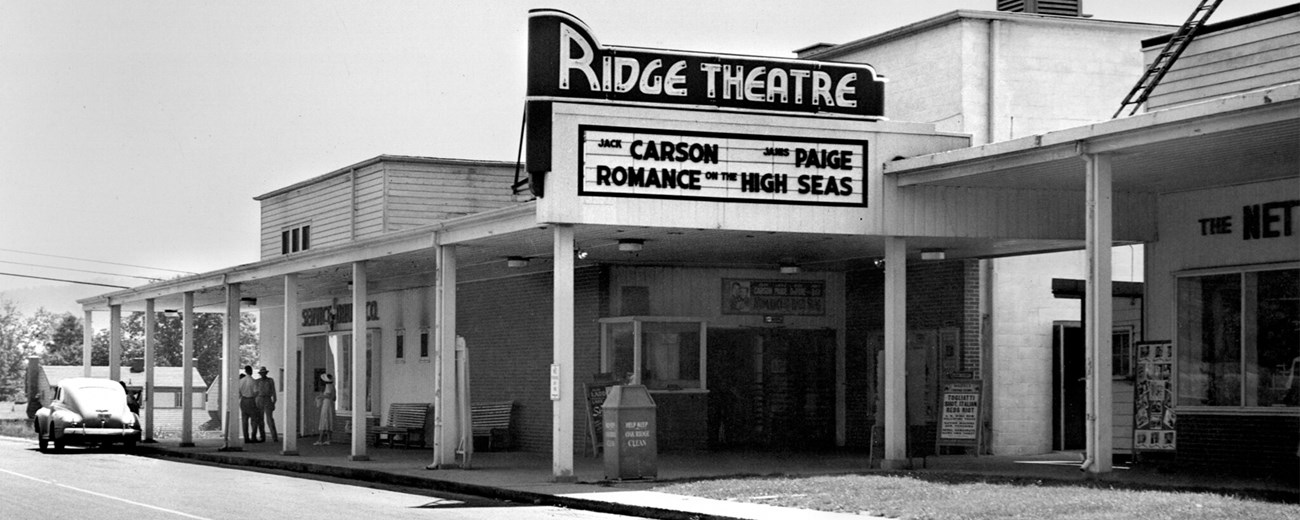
(265, 387)
(248, 414)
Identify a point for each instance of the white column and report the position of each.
(115, 342)
(562, 336)
(187, 365)
(150, 337)
(895, 387)
(446, 420)
(289, 407)
(359, 381)
(87, 342)
(230, 414)
(1098, 314)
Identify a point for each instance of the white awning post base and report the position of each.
(446, 422)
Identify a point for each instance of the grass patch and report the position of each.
(976, 498)
(16, 428)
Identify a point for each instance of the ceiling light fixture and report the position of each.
(516, 261)
(791, 269)
(631, 245)
(933, 254)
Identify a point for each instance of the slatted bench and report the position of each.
(492, 421)
(405, 423)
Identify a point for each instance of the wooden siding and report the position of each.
(978, 213)
(421, 193)
(388, 195)
(1232, 61)
(326, 206)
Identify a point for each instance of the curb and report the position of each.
(383, 477)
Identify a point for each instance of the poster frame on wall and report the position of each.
(1154, 410)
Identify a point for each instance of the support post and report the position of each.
(289, 408)
(230, 413)
(87, 342)
(1098, 314)
(895, 354)
(446, 425)
(115, 342)
(562, 333)
(359, 380)
(187, 365)
(150, 348)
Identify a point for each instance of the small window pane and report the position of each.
(670, 355)
(296, 241)
(424, 344)
(401, 346)
(306, 238)
(284, 242)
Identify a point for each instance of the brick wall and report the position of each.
(1263, 444)
(507, 326)
(939, 294)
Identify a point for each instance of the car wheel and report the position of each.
(128, 445)
(41, 440)
(58, 443)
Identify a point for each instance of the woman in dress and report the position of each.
(325, 401)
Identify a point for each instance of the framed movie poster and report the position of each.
(1154, 419)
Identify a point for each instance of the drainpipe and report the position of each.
(991, 92)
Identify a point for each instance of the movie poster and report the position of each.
(1154, 419)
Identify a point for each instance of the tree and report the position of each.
(208, 342)
(64, 344)
(20, 337)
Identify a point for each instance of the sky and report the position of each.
(138, 132)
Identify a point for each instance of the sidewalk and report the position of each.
(527, 478)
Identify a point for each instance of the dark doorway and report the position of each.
(1069, 387)
(771, 388)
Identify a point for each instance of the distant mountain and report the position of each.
(55, 298)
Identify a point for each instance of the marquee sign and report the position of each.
(566, 61)
(664, 164)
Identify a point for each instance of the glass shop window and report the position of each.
(341, 349)
(1239, 339)
(661, 353)
(1121, 360)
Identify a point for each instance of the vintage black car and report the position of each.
(87, 411)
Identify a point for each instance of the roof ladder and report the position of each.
(1167, 56)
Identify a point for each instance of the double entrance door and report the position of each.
(771, 389)
(331, 354)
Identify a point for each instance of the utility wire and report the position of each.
(96, 261)
(63, 280)
(151, 279)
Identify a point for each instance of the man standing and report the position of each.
(248, 413)
(266, 404)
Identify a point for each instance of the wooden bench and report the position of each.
(492, 421)
(405, 423)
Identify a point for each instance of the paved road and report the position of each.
(108, 484)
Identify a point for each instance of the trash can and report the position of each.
(631, 450)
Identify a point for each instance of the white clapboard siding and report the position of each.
(978, 212)
(1240, 59)
(382, 195)
(424, 193)
(324, 206)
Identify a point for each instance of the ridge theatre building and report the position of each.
(785, 268)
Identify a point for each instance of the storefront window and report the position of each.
(1239, 339)
(660, 353)
(341, 349)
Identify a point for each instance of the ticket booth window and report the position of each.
(1239, 339)
(662, 353)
